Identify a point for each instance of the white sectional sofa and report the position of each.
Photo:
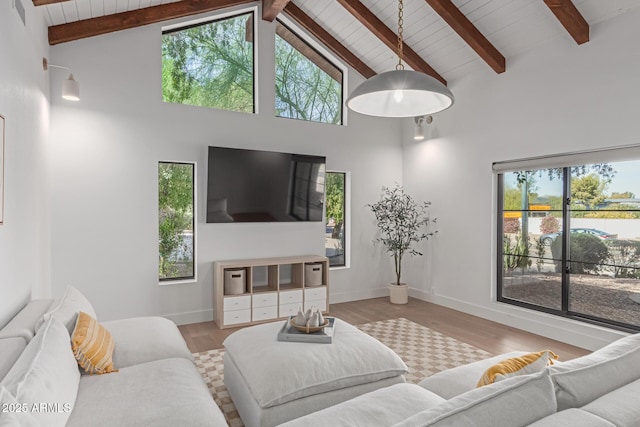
(157, 383)
(599, 389)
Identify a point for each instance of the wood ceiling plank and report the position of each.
(272, 8)
(388, 37)
(570, 18)
(312, 26)
(46, 2)
(135, 18)
(469, 33)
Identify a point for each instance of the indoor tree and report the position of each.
(402, 222)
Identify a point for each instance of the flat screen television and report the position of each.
(264, 186)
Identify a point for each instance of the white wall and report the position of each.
(24, 242)
(557, 98)
(105, 151)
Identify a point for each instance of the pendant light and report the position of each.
(400, 93)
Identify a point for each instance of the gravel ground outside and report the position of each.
(606, 297)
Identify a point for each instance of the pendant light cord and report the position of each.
(400, 44)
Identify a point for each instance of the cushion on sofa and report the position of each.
(46, 373)
(13, 413)
(92, 345)
(67, 309)
(580, 386)
(11, 350)
(610, 351)
(572, 417)
(522, 365)
(163, 393)
(382, 407)
(516, 401)
(353, 358)
(145, 339)
(452, 382)
(23, 324)
(621, 406)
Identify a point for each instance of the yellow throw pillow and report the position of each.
(523, 365)
(92, 345)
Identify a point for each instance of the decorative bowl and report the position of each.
(308, 329)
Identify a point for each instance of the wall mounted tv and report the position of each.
(264, 186)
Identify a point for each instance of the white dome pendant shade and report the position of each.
(400, 93)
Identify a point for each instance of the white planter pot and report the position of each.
(399, 294)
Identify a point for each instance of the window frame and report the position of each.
(564, 162)
(235, 12)
(326, 54)
(194, 278)
(347, 219)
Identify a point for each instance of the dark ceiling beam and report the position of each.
(135, 18)
(323, 36)
(388, 37)
(45, 2)
(570, 18)
(469, 33)
(272, 8)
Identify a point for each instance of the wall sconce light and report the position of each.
(70, 87)
(419, 131)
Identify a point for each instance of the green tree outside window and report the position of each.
(176, 220)
(308, 86)
(210, 65)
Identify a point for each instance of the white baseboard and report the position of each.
(191, 317)
(336, 298)
(566, 330)
(570, 331)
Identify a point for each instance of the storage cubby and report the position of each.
(273, 288)
(290, 276)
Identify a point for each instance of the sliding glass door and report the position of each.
(569, 241)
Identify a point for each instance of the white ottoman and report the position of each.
(271, 382)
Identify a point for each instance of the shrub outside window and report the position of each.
(176, 218)
(211, 64)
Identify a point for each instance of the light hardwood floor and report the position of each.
(490, 336)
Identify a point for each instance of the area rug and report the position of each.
(423, 350)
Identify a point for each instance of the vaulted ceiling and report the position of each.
(441, 36)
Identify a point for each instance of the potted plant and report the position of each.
(402, 222)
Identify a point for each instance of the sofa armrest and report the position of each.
(145, 339)
(23, 324)
(11, 350)
(455, 381)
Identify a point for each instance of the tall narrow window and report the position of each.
(570, 241)
(210, 64)
(335, 242)
(308, 85)
(176, 217)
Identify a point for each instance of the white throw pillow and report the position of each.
(67, 309)
(610, 351)
(13, 413)
(576, 388)
(45, 378)
(516, 401)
